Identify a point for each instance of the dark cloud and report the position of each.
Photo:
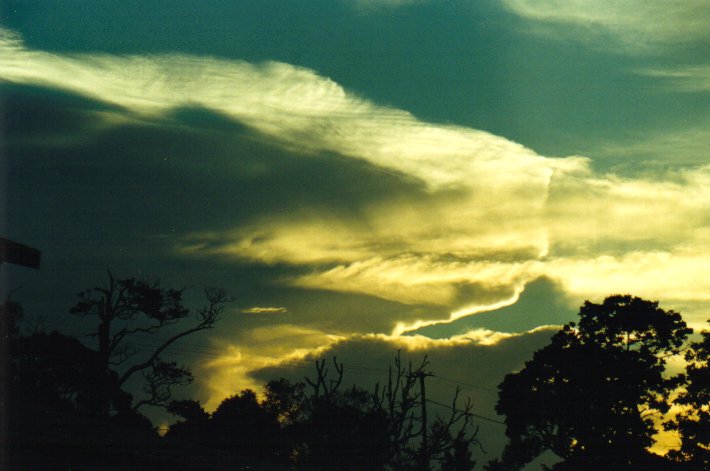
(196, 172)
(94, 194)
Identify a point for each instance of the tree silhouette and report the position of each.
(383, 429)
(332, 427)
(693, 422)
(285, 400)
(194, 427)
(55, 371)
(244, 426)
(591, 394)
(129, 307)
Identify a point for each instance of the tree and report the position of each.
(383, 429)
(129, 307)
(693, 422)
(332, 427)
(590, 395)
(285, 400)
(195, 424)
(244, 426)
(55, 372)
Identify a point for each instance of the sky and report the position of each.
(450, 178)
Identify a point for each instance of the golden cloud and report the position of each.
(495, 215)
(264, 310)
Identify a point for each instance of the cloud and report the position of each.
(590, 233)
(687, 79)
(484, 218)
(251, 350)
(608, 213)
(264, 310)
(291, 105)
(660, 150)
(639, 26)
(369, 6)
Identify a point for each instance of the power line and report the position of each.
(464, 412)
(468, 385)
(195, 349)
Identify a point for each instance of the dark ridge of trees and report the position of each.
(318, 425)
(68, 399)
(594, 395)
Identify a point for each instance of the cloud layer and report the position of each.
(492, 216)
(461, 223)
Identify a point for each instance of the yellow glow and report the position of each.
(229, 373)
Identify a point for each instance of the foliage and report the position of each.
(56, 371)
(693, 422)
(591, 394)
(331, 427)
(383, 429)
(129, 307)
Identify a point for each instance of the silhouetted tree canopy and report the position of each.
(321, 425)
(591, 394)
(195, 424)
(243, 425)
(129, 307)
(594, 396)
(693, 422)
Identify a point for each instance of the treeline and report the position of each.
(70, 402)
(595, 397)
(321, 427)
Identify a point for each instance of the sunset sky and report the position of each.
(451, 178)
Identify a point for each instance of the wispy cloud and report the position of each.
(264, 310)
(635, 26)
(660, 150)
(291, 105)
(492, 215)
(369, 6)
(688, 79)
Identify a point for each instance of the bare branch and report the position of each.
(159, 380)
(207, 315)
(320, 383)
(123, 353)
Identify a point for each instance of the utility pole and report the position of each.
(424, 457)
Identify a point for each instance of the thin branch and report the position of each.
(208, 315)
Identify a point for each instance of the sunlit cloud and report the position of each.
(264, 310)
(292, 105)
(491, 216)
(294, 348)
(610, 213)
(636, 25)
(673, 276)
(596, 234)
(254, 349)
